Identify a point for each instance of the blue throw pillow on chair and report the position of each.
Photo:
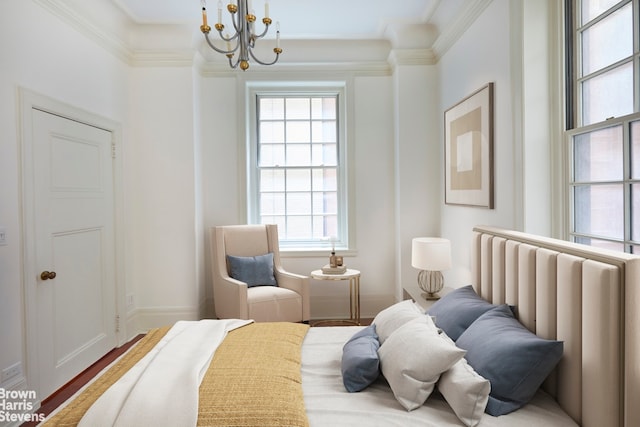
(254, 271)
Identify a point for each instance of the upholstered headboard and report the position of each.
(588, 298)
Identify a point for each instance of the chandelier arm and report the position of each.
(228, 39)
(264, 63)
(231, 64)
(206, 36)
(264, 33)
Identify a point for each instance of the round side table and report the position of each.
(353, 276)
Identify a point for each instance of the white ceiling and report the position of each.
(308, 19)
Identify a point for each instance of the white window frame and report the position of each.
(344, 239)
(579, 128)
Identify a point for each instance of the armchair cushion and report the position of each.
(254, 271)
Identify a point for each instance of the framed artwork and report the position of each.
(468, 148)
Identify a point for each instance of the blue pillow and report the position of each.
(511, 357)
(254, 271)
(458, 309)
(360, 362)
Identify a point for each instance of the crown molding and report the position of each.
(373, 68)
(162, 58)
(461, 24)
(398, 57)
(108, 41)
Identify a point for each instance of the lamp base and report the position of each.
(430, 297)
(431, 282)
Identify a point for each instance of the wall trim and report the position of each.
(373, 68)
(141, 320)
(399, 57)
(162, 58)
(108, 41)
(459, 26)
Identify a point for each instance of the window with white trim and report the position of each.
(603, 123)
(297, 175)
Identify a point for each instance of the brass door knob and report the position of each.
(46, 275)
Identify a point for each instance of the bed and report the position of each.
(291, 374)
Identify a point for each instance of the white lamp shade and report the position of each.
(431, 253)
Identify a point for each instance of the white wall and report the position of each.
(58, 63)
(372, 140)
(161, 195)
(480, 56)
(507, 45)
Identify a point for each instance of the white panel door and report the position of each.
(75, 251)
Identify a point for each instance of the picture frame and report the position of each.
(468, 139)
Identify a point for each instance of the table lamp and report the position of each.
(430, 255)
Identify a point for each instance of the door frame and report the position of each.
(28, 101)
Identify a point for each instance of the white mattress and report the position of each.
(329, 404)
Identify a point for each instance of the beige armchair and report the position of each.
(286, 302)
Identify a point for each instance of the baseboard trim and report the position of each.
(141, 320)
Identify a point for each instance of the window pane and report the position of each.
(272, 204)
(593, 8)
(271, 108)
(635, 150)
(598, 155)
(271, 132)
(325, 154)
(298, 132)
(608, 41)
(271, 180)
(599, 210)
(323, 108)
(298, 155)
(604, 244)
(325, 180)
(298, 203)
(299, 180)
(608, 95)
(318, 227)
(298, 227)
(271, 155)
(298, 108)
(635, 212)
(324, 131)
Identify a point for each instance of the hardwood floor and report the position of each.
(66, 391)
(69, 389)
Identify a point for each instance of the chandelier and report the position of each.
(245, 37)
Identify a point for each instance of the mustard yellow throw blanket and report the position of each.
(254, 379)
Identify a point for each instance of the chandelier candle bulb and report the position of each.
(204, 13)
(219, 11)
(266, 9)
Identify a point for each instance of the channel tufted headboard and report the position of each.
(588, 298)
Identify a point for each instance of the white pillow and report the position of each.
(466, 391)
(412, 359)
(391, 318)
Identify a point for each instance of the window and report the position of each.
(297, 171)
(604, 123)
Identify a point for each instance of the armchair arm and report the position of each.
(297, 283)
(230, 298)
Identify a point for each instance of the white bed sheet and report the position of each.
(329, 404)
